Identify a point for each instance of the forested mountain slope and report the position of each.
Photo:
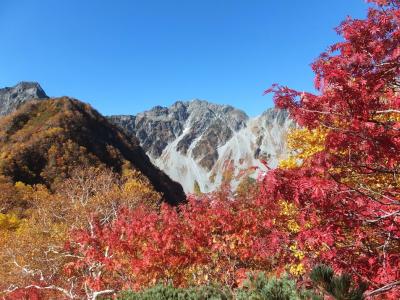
(44, 140)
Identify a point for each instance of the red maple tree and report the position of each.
(349, 193)
(340, 205)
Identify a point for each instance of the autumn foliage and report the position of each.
(344, 178)
(33, 253)
(334, 201)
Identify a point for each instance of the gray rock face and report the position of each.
(195, 142)
(210, 125)
(12, 97)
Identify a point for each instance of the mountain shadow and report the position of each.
(44, 140)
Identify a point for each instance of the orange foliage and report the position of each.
(32, 246)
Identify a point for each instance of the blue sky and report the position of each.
(126, 56)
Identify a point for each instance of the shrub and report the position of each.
(168, 292)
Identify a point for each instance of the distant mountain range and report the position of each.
(194, 142)
(45, 139)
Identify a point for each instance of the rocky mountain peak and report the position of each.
(203, 111)
(211, 124)
(194, 141)
(12, 97)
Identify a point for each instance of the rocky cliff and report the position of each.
(13, 97)
(43, 139)
(195, 142)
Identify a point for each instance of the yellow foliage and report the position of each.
(373, 182)
(297, 253)
(388, 117)
(34, 237)
(9, 222)
(297, 270)
(138, 188)
(303, 143)
(22, 187)
(287, 208)
(289, 163)
(293, 226)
